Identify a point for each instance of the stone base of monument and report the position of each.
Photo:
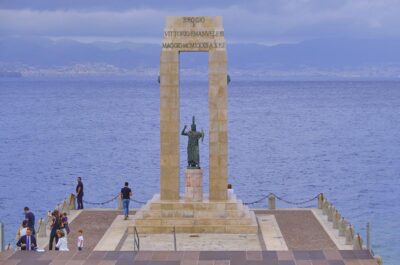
(193, 185)
(230, 216)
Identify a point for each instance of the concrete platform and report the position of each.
(300, 234)
(296, 257)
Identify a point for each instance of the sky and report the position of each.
(265, 22)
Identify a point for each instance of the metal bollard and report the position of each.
(72, 202)
(42, 228)
(271, 201)
(349, 234)
(368, 236)
(336, 220)
(325, 206)
(378, 260)
(342, 227)
(320, 200)
(1, 237)
(65, 208)
(331, 211)
(357, 242)
(119, 203)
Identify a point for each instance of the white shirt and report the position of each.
(22, 232)
(79, 243)
(62, 244)
(230, 194)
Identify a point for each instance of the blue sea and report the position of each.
(295, 139)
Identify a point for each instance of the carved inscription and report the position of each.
(195, 37)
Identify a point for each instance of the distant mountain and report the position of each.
(323, 54)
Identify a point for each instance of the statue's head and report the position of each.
(193, 127)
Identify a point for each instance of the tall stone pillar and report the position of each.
(218, 115)
(169, 125)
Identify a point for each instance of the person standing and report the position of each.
(28, 241)
(79, 242)
(79, 193)
(30, 217)
(126, 194)
(56, 225)
(62, 244)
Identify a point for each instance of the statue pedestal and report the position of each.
(193, 185)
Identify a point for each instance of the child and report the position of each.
(79, 243)
(64, 221)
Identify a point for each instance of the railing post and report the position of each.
(119, 203)
(72, 202)
(1, 237)
(357, 242)
(336, 220)
(325, 206)
(42, 228)
(342, 227)
(175, 248)
(368, 236)
(331, 210)
(378, 260)
(349, 235)
(320, 200)
(271, 201)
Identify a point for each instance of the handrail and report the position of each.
(174, 231)
(136, 240)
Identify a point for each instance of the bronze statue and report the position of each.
(193, 155)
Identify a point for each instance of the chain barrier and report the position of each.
(296, 203)
(257, 201)
(283, 200)
(140, 202)
(101, 203)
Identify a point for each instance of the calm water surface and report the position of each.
(292, 138)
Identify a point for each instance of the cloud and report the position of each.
(255, 21)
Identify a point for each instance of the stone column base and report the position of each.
(193, 185)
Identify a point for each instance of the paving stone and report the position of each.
(254, 255)
(336, 262)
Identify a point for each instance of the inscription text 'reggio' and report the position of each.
(193, 152)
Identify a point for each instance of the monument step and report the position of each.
(152, 214)
(196, 206)
(229, 229)
(192, 221)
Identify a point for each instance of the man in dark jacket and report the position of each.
(79, 193)
(27, 242)
(30, 217)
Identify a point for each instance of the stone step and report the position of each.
(195, 206)
(151, 214)
(230, 229)
(192, 221)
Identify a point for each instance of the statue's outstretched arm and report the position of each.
(183, 131)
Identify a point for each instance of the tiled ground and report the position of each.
(301, 230)
(319, 257)
(94, 224)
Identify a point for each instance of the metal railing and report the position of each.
(174, 233)
(136, 240)
(2, 245)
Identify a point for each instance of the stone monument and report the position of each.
(193, 212)
(193, 173)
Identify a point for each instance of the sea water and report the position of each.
(295, 139)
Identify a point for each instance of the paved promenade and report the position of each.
(296, 257)
(286, 237)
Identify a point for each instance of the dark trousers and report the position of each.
(53, 236)
(79, 199)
